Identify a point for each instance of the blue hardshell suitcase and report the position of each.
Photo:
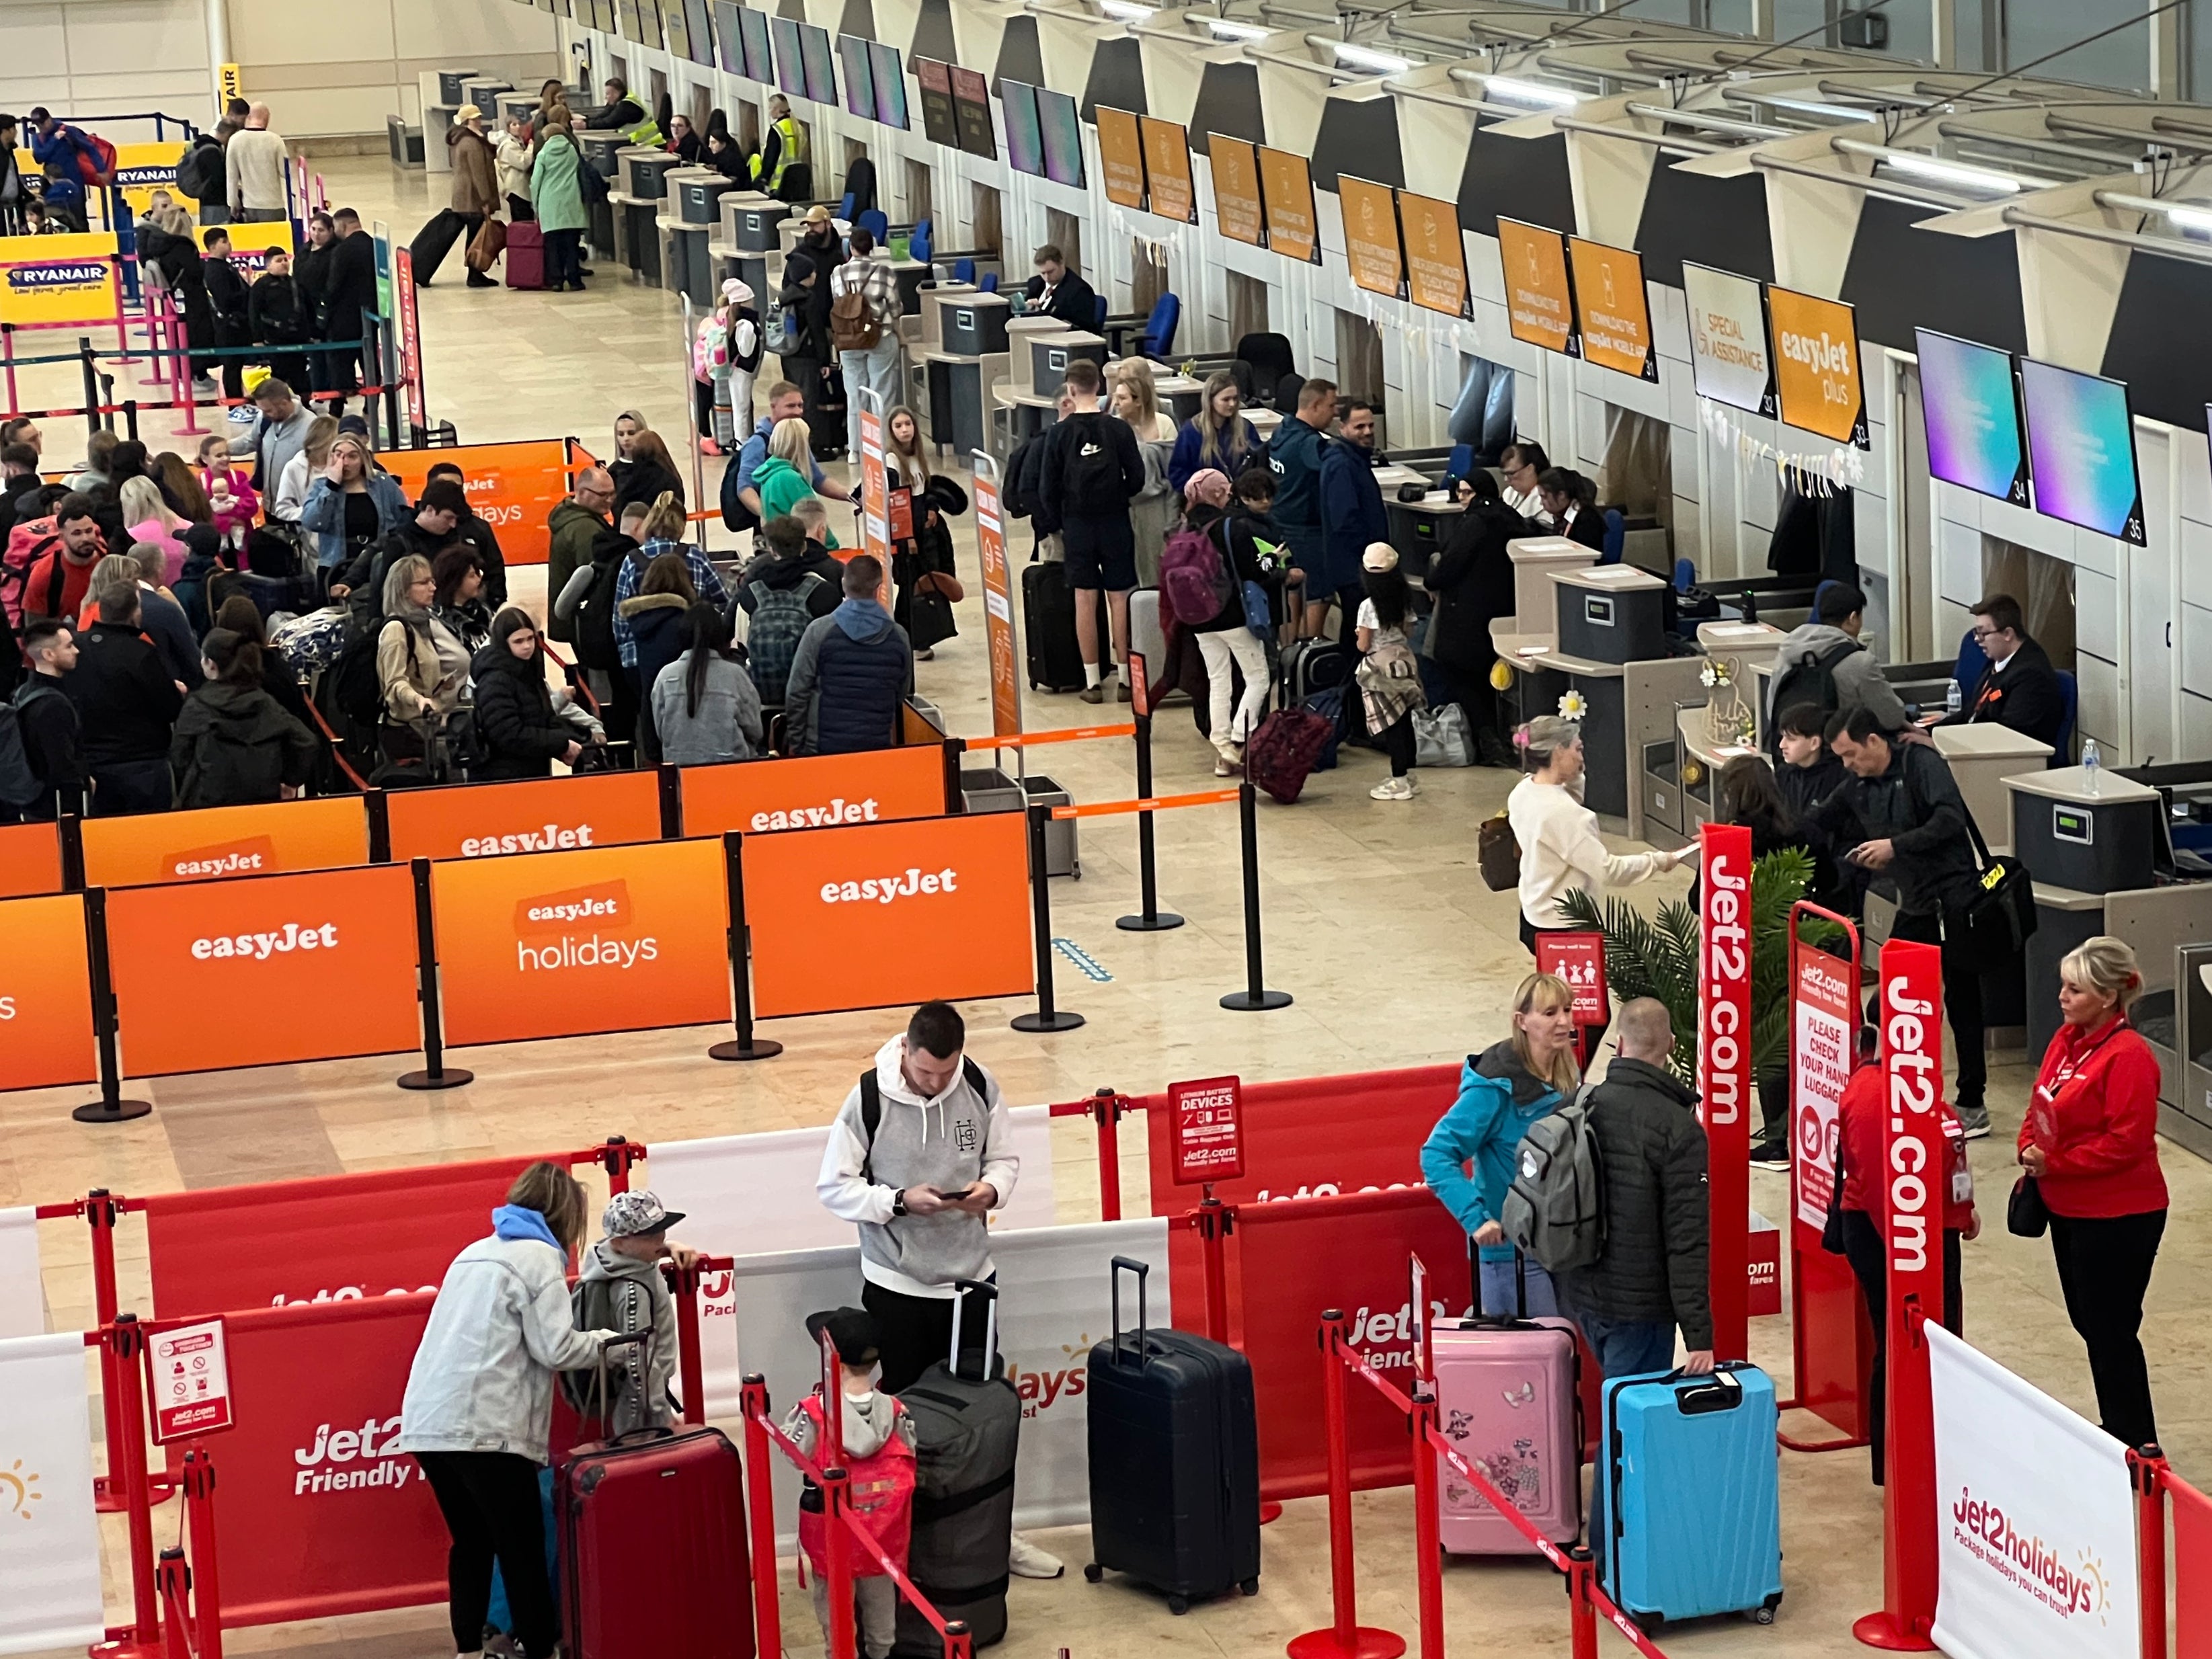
(1693, 1512)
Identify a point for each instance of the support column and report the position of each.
(218, 46)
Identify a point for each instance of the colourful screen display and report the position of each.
(730, 37)
(1025, 138)
(821, 60)
(2082, 450)
(891, 85)
(1972, 417)
(790, 65)
(1062, 125)
(860, 77)
(760, 61)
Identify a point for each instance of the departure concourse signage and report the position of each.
(1370, 236)
(1167, 169)
(1286, 195)
(1729, 358)
(1121, 157)
(1539, 302)
(1612, 309)
(1236, 203)
(1436, 258)
(1816, 366)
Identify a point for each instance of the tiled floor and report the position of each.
(1376, 920)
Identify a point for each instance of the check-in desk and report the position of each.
(442, 97)
(1982, 756)
(1606, 622)
(604, 228)
(743, 243)
(638, 200)
(1419, 529)
(686, 222)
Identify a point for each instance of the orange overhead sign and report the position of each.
(880, 914)
(1237, 190)
(1436, 258)
(1121, 157)
(1612, 309)
(263, 971)
(46, 994)
(813, 792)
(536, 815)
(1167, 169)
(1370, 236)
(1286, 197)
(30, 860)
(1540, 304)
(616, 938)
(1816, 365)
(513, 487)
(325, 833)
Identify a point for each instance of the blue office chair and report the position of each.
(990, 282)
(845, 207)
(1157, 339)
(1686, 575)
(1616, 537)
(1461, 462)
(921, 239)
(2069, 689)
(876, 223)
(1100, 324)
(1973, 661)
(963, 270)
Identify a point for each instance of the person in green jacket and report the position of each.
(577, 522)
(558, 195)
(782, 479)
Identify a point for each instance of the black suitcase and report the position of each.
(433, 242)
(967, 1430)
(1311, 665)
(1175, 1460)
(1055, 661)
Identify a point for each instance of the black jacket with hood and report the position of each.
(235, 746)
(1473, 581)
(515, 709)
(780, 576)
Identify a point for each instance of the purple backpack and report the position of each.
(1194, 582)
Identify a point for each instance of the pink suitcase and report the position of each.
(526, 255)
(1507, 1398)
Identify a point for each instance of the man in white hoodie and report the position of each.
(919, 1153)
(253, 169)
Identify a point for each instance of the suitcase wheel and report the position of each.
(1251, 1587)
(1762, 1615)
(1093, 1572)
(1178, 1605)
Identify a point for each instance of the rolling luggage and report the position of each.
(1693, 1508)
(653, 1559)
(1311, 665)
(433, 242)
(967, 1420)
(1507, 1398)
(1281, 754)
(1175, 1460)
(526, 254)
(1056, 662)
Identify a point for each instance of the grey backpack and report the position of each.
(1554, 1211)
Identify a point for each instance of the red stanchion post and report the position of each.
(1428, 1542)
(199, 1526)
(172, 1582)
(960, 1641)
(760, 1505)
(1106, 1109)
(618, 1155)
(1582, 1612)
(1345, 1639)
(2147, 1467)
(129, 1451)
(838, 1580)
(684, 1281)
(1215, 1220)
(100, 1211)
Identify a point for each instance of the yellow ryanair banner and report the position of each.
(229, 83)
(253, 242)
(142, 169)
(58, 279)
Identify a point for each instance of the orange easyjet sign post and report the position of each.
(264, 971)
(328, 832)
(513, 487)
(873, 915)
(815, 790)
(30, 859)
(535, 814)
(45, 994)
(616, 939)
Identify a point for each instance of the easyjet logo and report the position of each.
(888, 890)
(605, 902)
(553, 838)
(254, 855)
(839, 810)
(259, 947)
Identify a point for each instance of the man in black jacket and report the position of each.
(126, 705)
(1902, 817)
(350, 289)
(48, 719)
(792, 556)
(2019, 689)
(279, 314)
(233, 306)
(478, 534)
(1092, 471)
(1059, 292)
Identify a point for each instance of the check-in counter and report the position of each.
(1982, 756)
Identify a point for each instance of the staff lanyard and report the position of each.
(2067, 1069)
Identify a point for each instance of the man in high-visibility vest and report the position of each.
(784, 148)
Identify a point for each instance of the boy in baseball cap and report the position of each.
(621, 1290)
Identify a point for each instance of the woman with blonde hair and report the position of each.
(298, 472)
(419, 689)
(1468, 1160)
(147, 519)
(786, 475)
(2089, 1145)
(1560, 848)
(1217, 437)
(1135, 400)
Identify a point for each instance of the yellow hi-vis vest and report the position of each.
(791, 150)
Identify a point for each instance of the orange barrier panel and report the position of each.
(30, 859)
(266, 970)
(46, 994)
(815, 791)
(617, 939)
(877, 914)
(325, 833)
(533, 815)
(513, 488)
(1066, 734)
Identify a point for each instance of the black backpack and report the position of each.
(591, 183)
(1812, 681)
(595, 618)
(749, 362)
(1018, 490)
(355, 689)
(19, 784)
(200, 173)
(1093, 487)
(736, 515)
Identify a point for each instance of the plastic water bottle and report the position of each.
(1951, 698)
(2091, 763)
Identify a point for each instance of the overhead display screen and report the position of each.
(860, 76)
(1286, 196)
(1816, 365)
(1061, 122)
(760, 58)
(891, 85)
(1612, 311)
(1970, 406)
(1121, 157)
(1370, 236)
(1237, 190)
(1168, 187)
(971, 111)
(790, 60)
(1435, 256)
(1540, 301)
(938, 123)
(2082, 450)
(1025, 137)
(821, 60)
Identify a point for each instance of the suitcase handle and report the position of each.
(962, 1290)
(1143, 1271)
(1719, 1392)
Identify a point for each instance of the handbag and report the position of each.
(929, 618)
(489, 244)
(1992, 928)
(1442, 737)
(1497, 853)
(1259, 615)
(2026, 1216)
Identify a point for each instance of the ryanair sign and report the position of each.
(58, 279)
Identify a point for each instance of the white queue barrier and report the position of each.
(50, 1584)
(22, 1295)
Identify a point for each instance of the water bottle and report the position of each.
(1951, 698)
(2091, 762)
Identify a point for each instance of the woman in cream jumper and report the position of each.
(1560, 849)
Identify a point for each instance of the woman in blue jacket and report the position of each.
(1468, 1160)
(1217, 437)
(355, 502)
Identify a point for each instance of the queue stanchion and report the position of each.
(111, 1107)
(747, 1047)
(127, 1342)
(760, 1509)
(436, 1073)
(90, 368)
(836, 1496)
(1214, 1221)
(1048, 1017)
(1152, 919)
(2146, 1470)
(203, 1579)
(1106, 1109)
(1346, 1637)
(1428, 1540)
(1254, 997)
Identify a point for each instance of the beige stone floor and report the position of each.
(1375, 920)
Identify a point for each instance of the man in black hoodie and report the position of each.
(279, 315)
(349, 289)
(792, 556)
(48, 719)
(126, 706)
(19, 464)
(478, 534)
(233, 306)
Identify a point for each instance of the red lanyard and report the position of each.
(2067, 1068)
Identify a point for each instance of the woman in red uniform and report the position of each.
(2090, 1142)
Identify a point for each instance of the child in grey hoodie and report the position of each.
(621, 1290)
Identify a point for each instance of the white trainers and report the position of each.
(1392, 789)
(1026, 1560)
(1225, 768)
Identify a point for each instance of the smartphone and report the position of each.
(952, 1197)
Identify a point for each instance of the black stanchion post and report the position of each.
(91, 368)
(1254, 997)
(1152, 919)
(131, 418)
(436, 1073)
(111, 1107)
(1047, 1017)
(747, 1047)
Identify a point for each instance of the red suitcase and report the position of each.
(653, 1559)
(526, 255)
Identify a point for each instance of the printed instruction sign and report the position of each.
(1579, 959)
(1207, 1117)
(191, 1381)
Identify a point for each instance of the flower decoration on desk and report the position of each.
(1574, 707)
(1717, 671)
(1728, 720)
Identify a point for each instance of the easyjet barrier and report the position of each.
(513, 487)
(327, 960)
(325, 833)
(530, 815)
(874, 914)
(30, 859)
(46, 994)
(918, 780)
(616, 939)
